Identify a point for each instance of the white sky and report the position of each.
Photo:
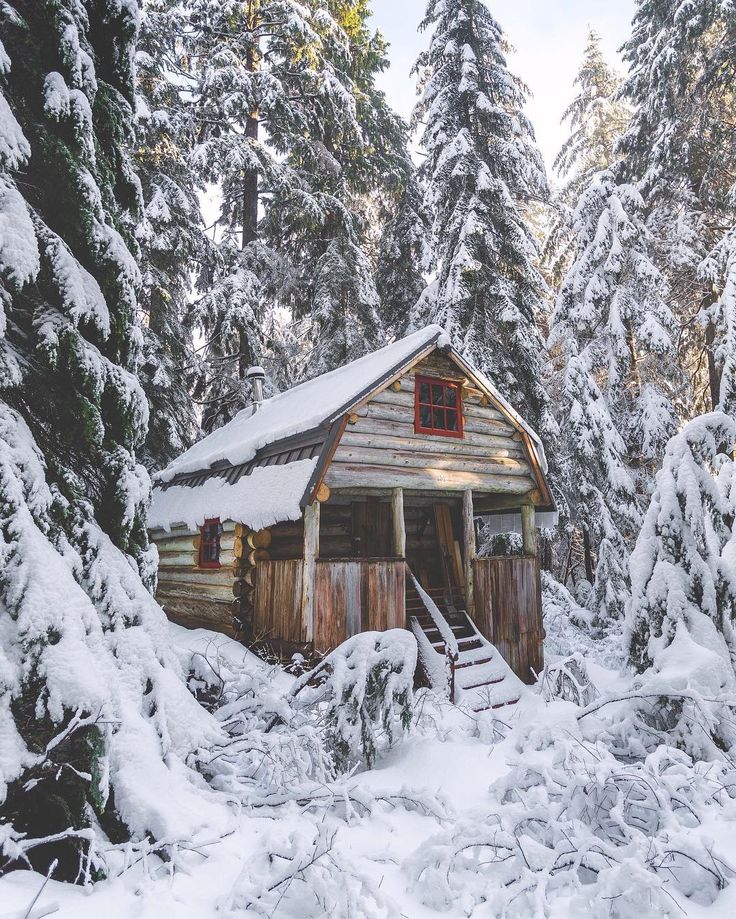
(549, 37)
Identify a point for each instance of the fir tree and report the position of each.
(402, 254)
(683, 604)
(681, 146)
(171, 235)
(596, 119)
(480, 172)
(91, 698)
(611, 325)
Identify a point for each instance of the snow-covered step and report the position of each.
(482, 679)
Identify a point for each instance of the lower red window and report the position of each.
(209, 543)
(438, 407)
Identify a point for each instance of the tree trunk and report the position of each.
(589, 571)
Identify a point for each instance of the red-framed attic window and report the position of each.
(209, 543)
(437, 407)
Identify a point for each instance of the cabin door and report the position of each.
(371, 529)
(449, 548)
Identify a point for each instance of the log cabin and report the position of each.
(350, 503)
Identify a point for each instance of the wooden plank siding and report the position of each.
(357, 596)
(508, 610)
(381, 450)
(277, 611)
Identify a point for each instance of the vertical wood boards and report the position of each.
(508, 610)
(277, 612)
(453, 575)
(371, 528)
(357, 596)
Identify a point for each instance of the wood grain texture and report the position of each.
(381, 449)
(277, 611)
(508, 610)
(357, 596)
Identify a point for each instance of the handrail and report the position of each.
(452, 652)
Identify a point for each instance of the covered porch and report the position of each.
(347, 566)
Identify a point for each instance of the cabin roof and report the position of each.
(297, 426)
(300, 409)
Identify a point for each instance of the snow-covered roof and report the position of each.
(268, 495)
(299, 409)
(253, 468)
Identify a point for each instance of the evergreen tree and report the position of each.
(170, 235)
(681, 145)
(481, 170)
(359, 168)
(402, 254)
(611, 326)
(92, 702)
(683, 605)
(596, 119)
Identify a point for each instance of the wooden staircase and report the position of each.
(478, 676)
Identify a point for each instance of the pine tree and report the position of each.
(91, 697)
(170, 235)
(611, 326)
(596, 119)
(480, 172)
(359, 168)
(681, 146)
(683, 605)
(402, 254)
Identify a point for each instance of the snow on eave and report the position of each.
(314, 403)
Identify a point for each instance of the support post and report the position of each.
(469, 547)
(399, 526)
(311, 554)
(528, 530)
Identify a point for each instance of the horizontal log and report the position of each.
(183, 597)
(405, 401)
(343, 475)
(403, 417)
(491, 447)
(410, 459)
(188, 543)
(259, 539)
(405, 428)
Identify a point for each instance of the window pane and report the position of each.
(438, 419)
(424, 392)
(451, 419)
(425, 416)
(451, 396)
(438, 394)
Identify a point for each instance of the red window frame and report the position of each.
(209, 543)
(437, 411)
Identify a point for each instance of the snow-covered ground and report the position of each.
(449, 786)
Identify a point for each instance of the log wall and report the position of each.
(193, 596)
(379, 449)
(508, 610)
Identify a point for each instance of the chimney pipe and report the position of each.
(256, 375)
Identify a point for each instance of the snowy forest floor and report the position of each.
(450, 760)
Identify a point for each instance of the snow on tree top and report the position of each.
(312, 403)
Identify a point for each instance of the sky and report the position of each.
(549, 37)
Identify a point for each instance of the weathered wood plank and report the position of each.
(468, 548)
(398, 522)
(409, 459)
(508, 610)
(405, 429)
(277, 612)
(368, 476)
(310, 554)
(492, 446)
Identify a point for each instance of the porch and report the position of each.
(355, 557)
